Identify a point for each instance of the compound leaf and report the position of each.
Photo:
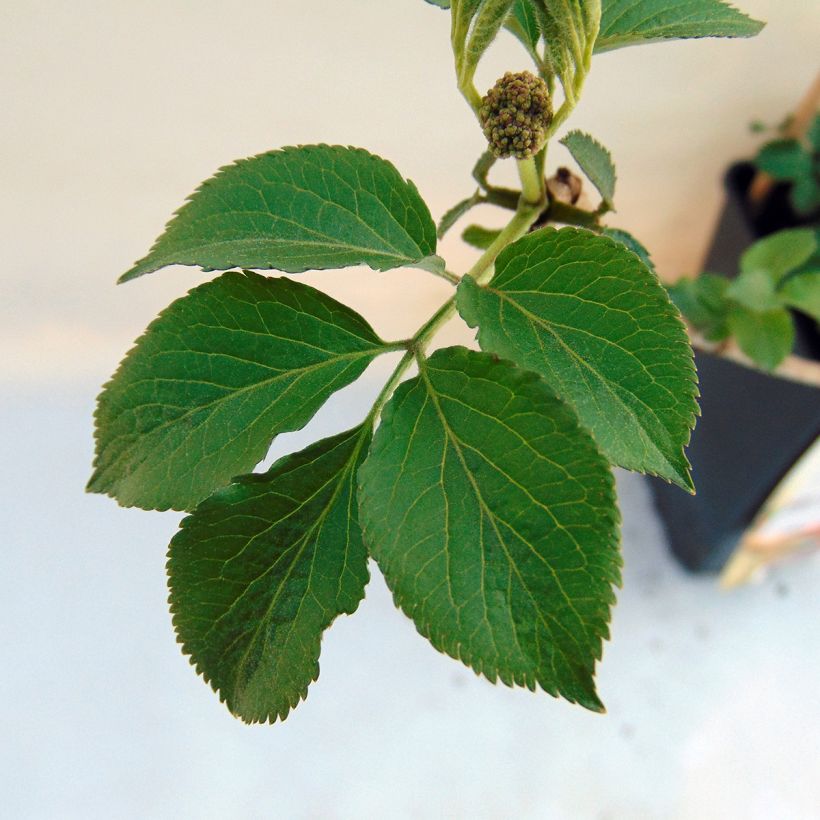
(568, 30)
(584, 312)
(492, 515)
(595, 161)
(805, 192)
(482, 168)
(262, 568)
(630, 22)
(214, 378)
(297, 209)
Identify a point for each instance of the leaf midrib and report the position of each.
(307, 538)
(294, 373)
(450, 433)
(614, 388)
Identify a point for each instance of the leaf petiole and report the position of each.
(525, 216)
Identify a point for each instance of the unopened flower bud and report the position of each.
(515, 115)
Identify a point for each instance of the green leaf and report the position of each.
(492, 516)
(262, 568)
(475, 25)
(703, 302)
(754, 289)
(479, 237)
(568, 28)
(627, 239)
(456, 212)
(780, 253)
(523, 24)
(805, 193)
(442, 4)
(631, 22)
(215, 377)
(784, 159)
(585, 313)
(766, 338)
(803, 292)
(596, 163)
(811, 265)
(297, 209)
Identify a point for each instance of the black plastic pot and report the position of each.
(753, 427)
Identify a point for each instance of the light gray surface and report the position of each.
(112, 113)
(713, 709)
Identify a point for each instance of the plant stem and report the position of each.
(526, 214)
(570, 215)
(447, 275)
(392, 384)
(524, 218)
(532, 182)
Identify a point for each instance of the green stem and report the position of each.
(532, 182)
(392, 384)
(570, 215)
(521, 222)
(503, 197)
(470, 92)
(447, 275)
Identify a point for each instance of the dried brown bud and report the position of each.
(564, 186)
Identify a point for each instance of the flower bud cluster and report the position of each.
(515, 115)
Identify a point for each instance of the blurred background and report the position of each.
(112, 113)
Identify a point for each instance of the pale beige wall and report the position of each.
(113, 112)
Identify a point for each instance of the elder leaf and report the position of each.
(456, 212)
(214, 378)
(584, 312)
(492, 515)
(637, 247)
(596, 163)
(803, 292)
(631, 22)
(262, 568)
(295, 209)
(703, 302)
